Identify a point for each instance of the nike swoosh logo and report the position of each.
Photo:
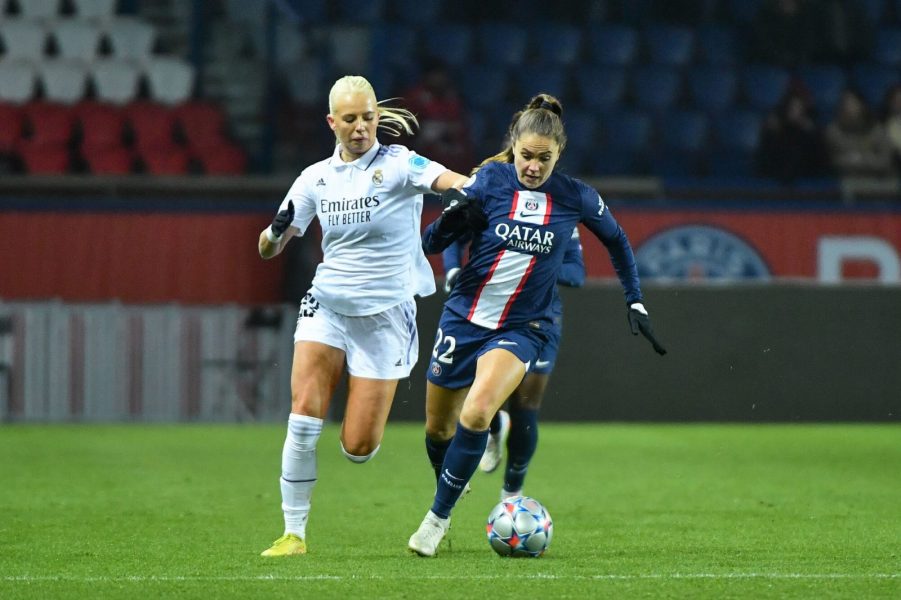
(542, 363)
(525, 215)
(506, 343)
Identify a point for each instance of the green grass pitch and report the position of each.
(656, 511)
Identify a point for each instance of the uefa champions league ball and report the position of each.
(519, 527)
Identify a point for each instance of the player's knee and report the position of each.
(360, 452)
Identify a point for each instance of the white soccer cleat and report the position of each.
(494, 451)
(430, 533)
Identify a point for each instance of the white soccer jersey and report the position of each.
(370, 212)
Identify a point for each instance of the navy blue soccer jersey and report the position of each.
(513, 266)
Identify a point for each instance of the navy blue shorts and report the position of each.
(459, 344)
(547, 357)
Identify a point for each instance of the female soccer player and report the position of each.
(360, 309)
(518, 428)
(498, 315)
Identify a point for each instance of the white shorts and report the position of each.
(380, 346)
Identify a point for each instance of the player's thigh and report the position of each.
(442, 410)
(315, 373)
(368, 404)
(529, 394)
(498, 373)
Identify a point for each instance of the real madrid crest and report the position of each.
(377, 177)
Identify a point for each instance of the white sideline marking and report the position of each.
(639, 576)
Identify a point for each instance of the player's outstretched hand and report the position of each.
(460, 213)
(450, 279)
(282, 220)
(639, 322)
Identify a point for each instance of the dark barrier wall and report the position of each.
(755, 353)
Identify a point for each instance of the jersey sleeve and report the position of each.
(422, 172)
(572, 273)
(596, 216)
(304, 200)
(452, 256)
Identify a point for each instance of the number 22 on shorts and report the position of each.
(446, 357)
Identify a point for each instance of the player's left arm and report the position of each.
(572, 273)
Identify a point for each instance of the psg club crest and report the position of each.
(699, 252)
(531, 204)
(377, 177)
(436, 369)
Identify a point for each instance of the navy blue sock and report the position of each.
(495, 425)
(521, 446)
(460, 463)
(436, 449)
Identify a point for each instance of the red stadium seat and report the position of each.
(227, 159)
(164, 160)
(109, 160)
(153, 124)
(49, 123)
(10, 127)
(202, 123)
(44, 159)
(102, 125)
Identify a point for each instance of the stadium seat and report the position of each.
(738, 130)
(23, 39)
(131, 39)
(610, 161)
(581, 130)
(45, 159)
(826, 83)
(170, 80)
(484, 86)
(763, 85)
(887, 49)
(731, 164)
(11, 131)
(362, 11)
(109, 160)
(418, 12)
(49, 123)
(96, 10)
(612, 45)
(873, 80)
(656, 88)
(305, 84)
(349, 47)
(712, 88)
(684, 131)
(743, 12)
(673, 164)
(152, 125)
(102, 125)
(202, 124)
(115, 80)
(562, 43)
(226, 159)
(451, 44)
(627, 130)
(39, 9)
(601, 88)
(549, 80)
(717, 45)
(670, 45)
(251, 14)
(77, 39)
(18, 80)
(502, 44)
(64, 81)
(170, 160)
(291, 44)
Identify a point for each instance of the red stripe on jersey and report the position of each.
(547, 213)
(475, 301)
(515, 295)
(513, 206)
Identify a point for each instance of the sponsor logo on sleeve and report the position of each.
(418, 163)
(601, 206)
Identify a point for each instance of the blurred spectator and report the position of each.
(791, 144)
(443, 129)
(846, 34)
(892, 123)
(857, 142)
(785, 33)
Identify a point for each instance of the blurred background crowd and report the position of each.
(788, 91)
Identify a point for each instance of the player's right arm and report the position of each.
(294, 215)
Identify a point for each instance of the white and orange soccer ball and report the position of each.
(519, 527)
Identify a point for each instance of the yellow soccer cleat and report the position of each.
(287, 545)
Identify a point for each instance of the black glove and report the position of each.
(639, 322)
(460, 214)
(282, 220)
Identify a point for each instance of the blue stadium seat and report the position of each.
(601, 88)
(451, 44)
(670, 45)
(362, 11)
(610, 161)
(581, 130)
(712, 89)
(675, 164)
(887, 49)
(627, 130)
(394, 45)
(504, 45)
(656, 88)
(483, 86)
(612, 45)
(742, 12)
(873, 80)
(738, 130)
(826, 83)
(718, 45)
(561, 44)
(549, 80)
(418, 12)
(764, 85)
(684, 131)
(730, 164)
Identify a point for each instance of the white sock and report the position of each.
(299, 471)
